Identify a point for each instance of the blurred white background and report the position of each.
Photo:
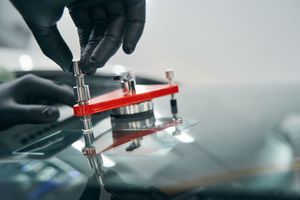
(205, 41)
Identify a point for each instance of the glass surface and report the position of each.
(50, 145)
(240, 145)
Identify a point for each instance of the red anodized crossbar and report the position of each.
(118, 98)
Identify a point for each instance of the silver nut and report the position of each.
(89, 151)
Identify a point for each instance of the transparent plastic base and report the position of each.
(164, 134)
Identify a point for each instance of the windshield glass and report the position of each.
(231, 132)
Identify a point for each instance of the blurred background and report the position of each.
(207, 42)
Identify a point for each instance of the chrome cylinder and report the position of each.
(88, 137)
(83, 94)
(146, 106)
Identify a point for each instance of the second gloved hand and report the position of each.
(103, 25)
(28, 100)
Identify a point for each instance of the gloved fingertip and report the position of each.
(68, 69)
(73, 101)
(70, 98)
(97, 62)
(90, 68)
(128, 49)
(50, 114)
(91, 72)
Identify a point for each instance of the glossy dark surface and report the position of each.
(243, 146)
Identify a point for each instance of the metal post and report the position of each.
(83, 95)
(170, 77)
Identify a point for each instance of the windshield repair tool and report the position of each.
(131, 101)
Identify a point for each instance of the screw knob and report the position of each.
(170, 75)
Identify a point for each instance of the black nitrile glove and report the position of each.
(27, 99)
(102, 26)
(120, 190)
(41, 16)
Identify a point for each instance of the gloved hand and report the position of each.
(27, 99)
(102, 26)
